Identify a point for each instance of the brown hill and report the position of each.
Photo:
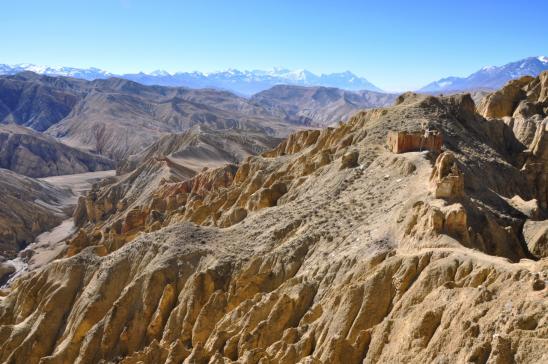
(35, 155)
(38, 102)
(318, 106)
(117, 117)
(174, 158)
(202, 146)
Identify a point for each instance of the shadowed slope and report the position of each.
(35, 155)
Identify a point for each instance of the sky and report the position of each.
(397, 45)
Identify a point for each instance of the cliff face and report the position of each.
(526, 96)
(327, 249)
(523, 105)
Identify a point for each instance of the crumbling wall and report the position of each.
(402, 142)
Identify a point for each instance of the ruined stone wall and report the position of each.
(402, 142)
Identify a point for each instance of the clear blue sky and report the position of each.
(395, 44)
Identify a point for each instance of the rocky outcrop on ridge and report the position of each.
(523, 105)
(174, 158)
(446, 177)
(327, 249)
(402, 142)
(520, 97)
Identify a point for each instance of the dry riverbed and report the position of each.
(50, 244)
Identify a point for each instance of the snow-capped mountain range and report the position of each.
(490, 77)
(85, 73)
(251, 82)
(241, 82)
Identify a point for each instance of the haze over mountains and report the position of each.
(318, 106)
(117, 117)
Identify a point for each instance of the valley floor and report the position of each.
(48, 245)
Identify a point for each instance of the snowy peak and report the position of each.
(241, 82)
(444, 83)
(85, 73)
(491, 77)
(160, 73)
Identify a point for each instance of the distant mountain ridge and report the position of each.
(490, 77)
(84, 73)
(318, 106)
(248, 83)
(242, 82)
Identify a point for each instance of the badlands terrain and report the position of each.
(329, 246)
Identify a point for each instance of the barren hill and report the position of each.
(319, 106)
(37, 102)
(203, 147)
(334, 247)
(35, 155)
(117, 118)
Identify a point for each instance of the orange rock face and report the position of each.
(402, 142)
